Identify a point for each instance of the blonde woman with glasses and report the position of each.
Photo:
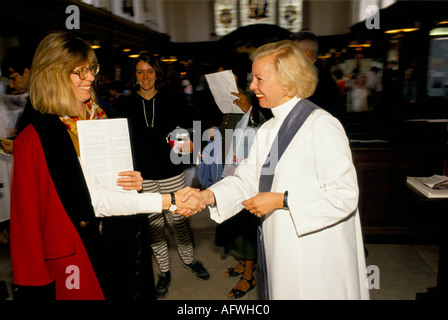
(72, 238)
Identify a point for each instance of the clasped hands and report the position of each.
(190, 200)
(132, 180)
(193, 201)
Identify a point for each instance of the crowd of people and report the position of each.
(287, 191)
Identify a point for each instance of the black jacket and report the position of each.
(150, 122)
(327, 94)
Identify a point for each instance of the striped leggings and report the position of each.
(176, 222)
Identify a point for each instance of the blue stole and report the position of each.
(289, 128)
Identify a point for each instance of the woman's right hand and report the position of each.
(7, 146)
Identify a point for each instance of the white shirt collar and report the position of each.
(282, 110)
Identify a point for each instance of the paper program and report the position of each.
(105, 148)
(221, 85)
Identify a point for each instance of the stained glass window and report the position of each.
(231, 14)
(226, 19)
(257, 11)
(290, 15)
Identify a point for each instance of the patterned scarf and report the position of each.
(94, 111)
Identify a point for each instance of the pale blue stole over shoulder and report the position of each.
(289, 128)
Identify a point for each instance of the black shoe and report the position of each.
(162, 284)
(197, 268)
(3, 290)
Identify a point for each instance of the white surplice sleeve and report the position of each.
(330, 193)
(231, 191)
(108, 203)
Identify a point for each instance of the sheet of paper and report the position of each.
(221, 84)
(105, 148)
(418, 184)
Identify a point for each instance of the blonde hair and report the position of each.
(57, 55)
(294, 70)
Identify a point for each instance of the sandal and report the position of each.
(239, 293)
(232, 273)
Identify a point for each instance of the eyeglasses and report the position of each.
(82, 73)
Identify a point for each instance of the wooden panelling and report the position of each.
(388, 208)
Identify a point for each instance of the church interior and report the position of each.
(398, 44)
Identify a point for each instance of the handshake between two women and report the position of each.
(190, 201)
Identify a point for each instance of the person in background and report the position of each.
(341, 82)
(154, 111)
(61, 231)
(359, 94)
(238, 234)
(327, 94)
(307, 197)
(16, 68)
(374, 84)
(409, 87)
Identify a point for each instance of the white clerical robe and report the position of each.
(314, 249)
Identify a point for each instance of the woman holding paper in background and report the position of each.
(60, 249)
(238, 234)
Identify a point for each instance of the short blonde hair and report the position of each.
(57, 55)
(294, 70)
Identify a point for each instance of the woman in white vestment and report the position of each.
(312, 236)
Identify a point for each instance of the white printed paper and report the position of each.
(105, 149)
(221, 85)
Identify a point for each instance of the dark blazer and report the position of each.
(149, 132)
(327, 95)
(55, 235)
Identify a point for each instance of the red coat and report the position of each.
(54, 234)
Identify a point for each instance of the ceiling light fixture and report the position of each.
(437, 32)
(401, 30)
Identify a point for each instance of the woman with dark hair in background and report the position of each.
(154, 111)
